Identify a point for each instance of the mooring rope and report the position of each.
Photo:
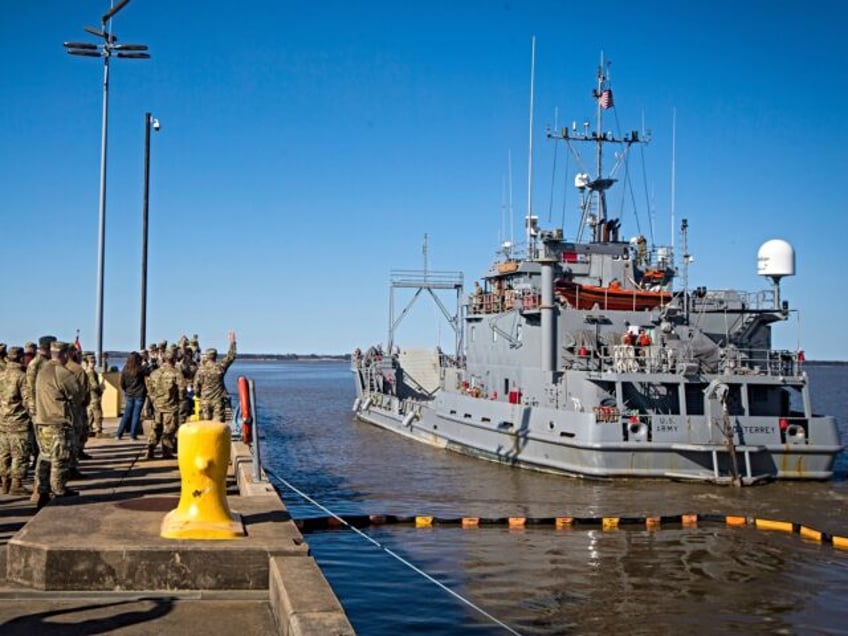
(387, 550)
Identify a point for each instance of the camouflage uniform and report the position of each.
(32, 372)
(2, 355)
(15, 424)
(209, 384)
(152, 361)
(188, 367)
(95, 394)
(42, 355)
(56, 394)
(79, 409)
(166, 389)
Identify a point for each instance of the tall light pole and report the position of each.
(106, 50)
(149, 121)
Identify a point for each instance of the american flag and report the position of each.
(605, 99)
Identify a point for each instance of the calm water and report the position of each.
(542, 581)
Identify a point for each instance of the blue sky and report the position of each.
(307, 147)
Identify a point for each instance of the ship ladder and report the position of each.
(731, 446)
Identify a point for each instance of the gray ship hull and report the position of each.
(577, 444)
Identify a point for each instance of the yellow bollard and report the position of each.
(203, 513)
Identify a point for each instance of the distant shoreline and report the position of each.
(265, 356)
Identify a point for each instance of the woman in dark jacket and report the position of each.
(132, 383)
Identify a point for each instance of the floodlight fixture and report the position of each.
(107, 49)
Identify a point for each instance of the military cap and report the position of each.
(29, 347)
(163, 345)
(59, 347)
(44, 342)
(170, 354)
(210, 352)
(16, 353)
(88, 354)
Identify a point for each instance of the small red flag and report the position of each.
(77, 344)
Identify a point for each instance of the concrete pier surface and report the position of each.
(96, 564)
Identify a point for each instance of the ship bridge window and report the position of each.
(695, 398)
(796, 401)
(647, 397)
(774, 401)
(734, 400)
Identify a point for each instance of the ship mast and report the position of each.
(593, 190)
(599, 135)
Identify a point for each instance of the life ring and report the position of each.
(244, 406)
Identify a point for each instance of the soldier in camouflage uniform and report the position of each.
(29, 353)
(166, 389)
(188, 367)
(57, 393)
(209, 382)
(95, 394)
(14, 424)
(80, 418)
(42, 355)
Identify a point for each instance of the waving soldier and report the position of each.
(209, 382)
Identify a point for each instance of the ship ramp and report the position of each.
(420, 369)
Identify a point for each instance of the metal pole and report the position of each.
(257, 458)
(530, 255)
(142, 341)
(101, 236)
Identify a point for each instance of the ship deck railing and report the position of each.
(495, 302)
(664, 359)
(732, 299)
(426, 279)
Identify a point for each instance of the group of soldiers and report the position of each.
(175, 379)
(48, 395)
(50, 404)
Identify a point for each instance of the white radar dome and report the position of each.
(776, 258)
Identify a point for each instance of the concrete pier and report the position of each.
(97, 564)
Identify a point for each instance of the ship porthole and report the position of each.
(550, 426)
